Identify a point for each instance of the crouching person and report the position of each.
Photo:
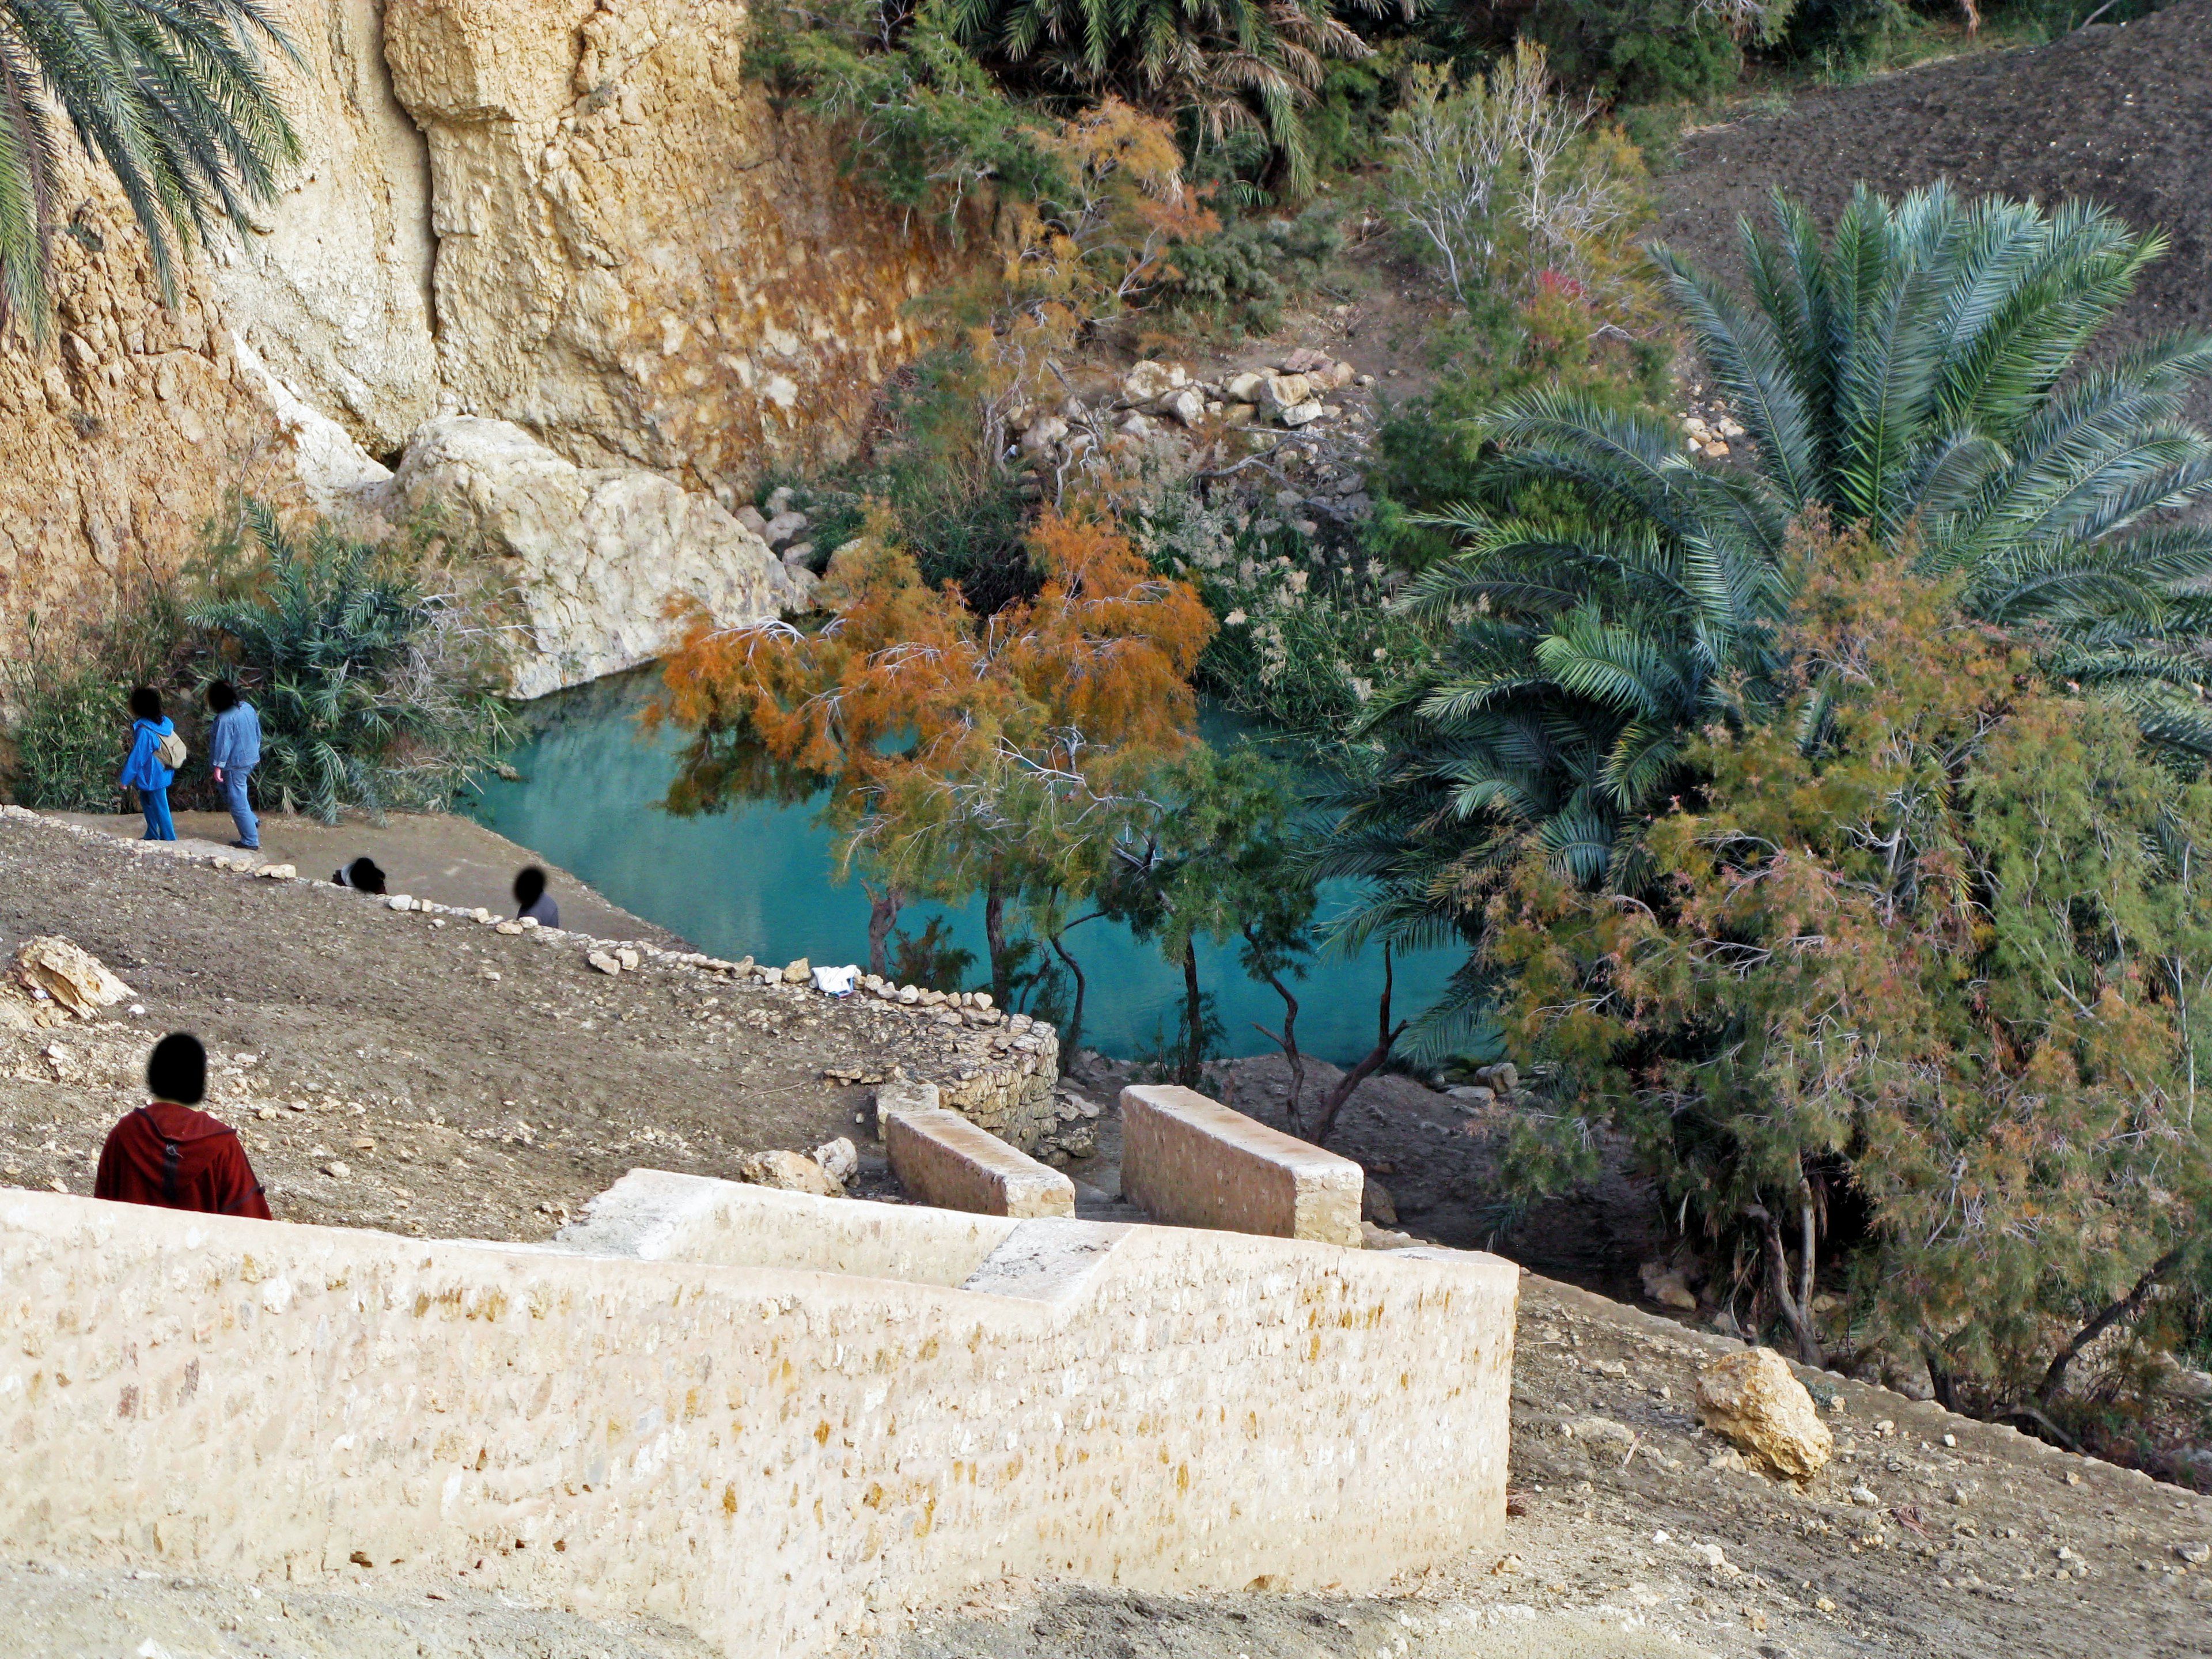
(169, 1154)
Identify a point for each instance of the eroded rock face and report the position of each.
(1755, 1399)
(570, 215)
(592, 555)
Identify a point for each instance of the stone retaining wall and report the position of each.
(676, 1412)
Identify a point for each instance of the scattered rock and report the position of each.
(1246, 388)
(277, 873)
(1666, 1285)
(71, 976)
(1187, 406)
(1147, 382)
(1753, 1399)
(2196, 1554)
(1298, 415)
(797, 973)
(603, 963)
(790, 1172)
(839, 1159)
(1282, 392)
(784, 527)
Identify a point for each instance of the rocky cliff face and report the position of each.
(568, 215)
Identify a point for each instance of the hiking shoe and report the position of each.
(247, 845)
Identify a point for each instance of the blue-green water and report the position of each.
(759, 881)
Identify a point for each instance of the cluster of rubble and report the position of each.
(1708, 428)
(783, 527)
(1155, 398)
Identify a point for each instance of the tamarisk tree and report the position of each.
(1935, 940)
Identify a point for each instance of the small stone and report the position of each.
(1755, 1400)
(798, 972)
(783, 528)
(266, 1112)
(1246, 388)
(790, 1172)
(629, 959)
(1043, 435)
(336, 1172)
(1667, 1285)
(751, 517)
(603, 963)
(1825, 1605)
(1713, 1555)
(2196, 1554)
(1864, 1499)
(1186, 406)
(276, 872)
(839, 1158)
(1287, 392)
(1147, 381)
(400, 901)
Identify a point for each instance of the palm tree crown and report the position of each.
(1923, 372)
(170, 94)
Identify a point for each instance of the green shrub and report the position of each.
(72, 722)
(373, 690)
(1240, 280)
(1638, 51)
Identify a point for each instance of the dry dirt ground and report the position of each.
(387, 1031)
(469, 1083)
(2117, 115)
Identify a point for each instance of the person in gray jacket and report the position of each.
(234, 750)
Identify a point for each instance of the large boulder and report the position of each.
(594, 556)
(1755, 1399)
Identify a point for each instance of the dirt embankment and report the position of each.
(2117, 115)
(461, 1083)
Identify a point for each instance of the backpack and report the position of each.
(171, 751)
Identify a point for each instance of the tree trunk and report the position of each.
(995, 938)
(1073, 1034)
(2125, 1308)
(882, 915)
(1287, 1040)
(1194, 1010)
(1800, 1317)
(1386, 1038)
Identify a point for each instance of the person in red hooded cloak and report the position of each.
(169, 1155)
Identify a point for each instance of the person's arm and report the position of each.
(134, 764)
(239, 1192)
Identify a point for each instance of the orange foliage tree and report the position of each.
(958, 754)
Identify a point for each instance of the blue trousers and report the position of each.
(159, 826)
(241, 810)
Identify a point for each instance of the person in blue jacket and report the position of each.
(144, 771)
(234, 750)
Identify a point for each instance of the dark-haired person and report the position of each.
(362, 875)
(169, 1154)
(531, 900)
(234, 750)
(145, 770)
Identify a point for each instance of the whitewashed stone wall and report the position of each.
(679, 1412)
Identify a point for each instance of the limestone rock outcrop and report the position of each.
(570, 215)
(1755, 1399)
(592, 556)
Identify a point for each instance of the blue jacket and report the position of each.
(235, 743)
(145, 770)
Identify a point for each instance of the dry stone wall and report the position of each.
(570, 215)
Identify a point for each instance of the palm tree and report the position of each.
(1231, 66)
(170, 94)
(1922, 373)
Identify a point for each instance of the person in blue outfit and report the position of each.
(144, 771)
(234, 750)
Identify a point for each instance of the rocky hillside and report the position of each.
(569, 215)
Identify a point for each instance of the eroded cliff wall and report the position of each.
(570, 215)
